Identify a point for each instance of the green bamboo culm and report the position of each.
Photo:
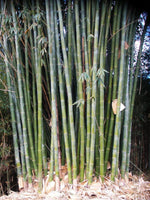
(12, 109)
(63, 106)
(127, 101)
(70, 103)
(11, 102)
(94, 88)
(52, 64)
(80, 93)
(88, 92)
(27, 98)
(115, 155)
(39, 101)
(133, 89)
(21, 96)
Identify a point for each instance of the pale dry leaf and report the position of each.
(75, 197)
(57, 183)
(20, 182)
(126, 178)
(62, 185)
(108, 165)
(55, 195)
(50, 187)
(114, 106)
(75, 184)
(84, 184)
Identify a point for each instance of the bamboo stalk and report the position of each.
(88, 93)
(39, 98)
(80, 93)
(134, 93)
(70, 39)
(63, 106)
(52, 64)
(71, 118)
(114, 69)
(12, 109)
(103, 45)
(130, 40)
(115, 155)
(21, 96)
(27, 99)
(94, 88)
(33, 45)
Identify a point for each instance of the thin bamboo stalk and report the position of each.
(18, 117)
(134, 93)
(89, 31)
(12, 109)
(70, 39)
(33, 44)
(39, 98)
(21, 96)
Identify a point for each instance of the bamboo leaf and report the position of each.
(90, 37)
(79, 102)
(84, 77)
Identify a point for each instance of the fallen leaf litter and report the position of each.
(130, 188)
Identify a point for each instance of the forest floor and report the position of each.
(131, 188)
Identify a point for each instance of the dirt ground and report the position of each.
(130, 188)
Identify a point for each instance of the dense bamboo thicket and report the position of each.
(71, 78)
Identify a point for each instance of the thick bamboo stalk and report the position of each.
(86, 25)
(71, 117)
(103, 44)
(52, 64)
(63, 106)
(94, 88)
(28, 100)
(117, 130)
(113, 83)
(39, 98)
(80, 93)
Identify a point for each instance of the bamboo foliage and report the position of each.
(66, 62)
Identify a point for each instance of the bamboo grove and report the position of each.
(66, 62)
